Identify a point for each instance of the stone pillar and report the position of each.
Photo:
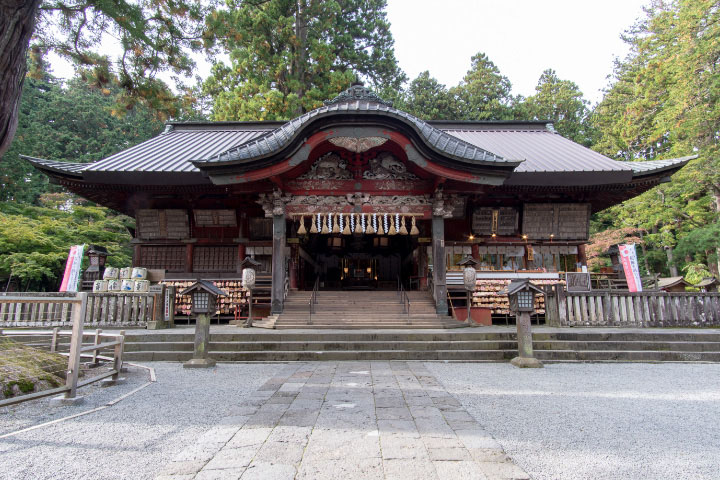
(438, 253)
(525, 358)
(202, 342)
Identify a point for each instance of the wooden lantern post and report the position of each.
(204, 298)
(521, 294)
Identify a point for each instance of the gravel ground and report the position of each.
(132, 439)
(597, 421)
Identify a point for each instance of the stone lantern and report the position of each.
(521, 295)
(97, 256)
(469, 281)
(204, 298)
(248, 266)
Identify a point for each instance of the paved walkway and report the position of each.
(346, 420)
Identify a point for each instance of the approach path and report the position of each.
(346, 420)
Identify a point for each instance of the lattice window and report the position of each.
(170, 258)
(215, 218)
(214, 259)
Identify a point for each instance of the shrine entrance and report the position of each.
(359, 262)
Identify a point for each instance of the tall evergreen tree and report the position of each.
(561, 102)
(664, 103)
(428, 99)
(287, 57)
(484, 94)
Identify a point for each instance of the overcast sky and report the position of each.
(577, 38)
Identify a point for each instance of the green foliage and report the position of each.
(72, 122)
(34, 241)
(288, 57)
(154, 36)
(484, 94)
(560, 102)
(663, 103)
(428, 99)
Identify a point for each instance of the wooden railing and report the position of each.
(103, 309)
(77, 305)
(612, 308)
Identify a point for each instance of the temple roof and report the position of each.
(530, 153)
(359, 102)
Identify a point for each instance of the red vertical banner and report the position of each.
(72, 269)
(628, 257)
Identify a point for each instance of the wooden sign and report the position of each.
(577, 281)
(558, 221)
(215, 218)
(501, 221)
(162, 224)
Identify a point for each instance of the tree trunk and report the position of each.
(645, 259)
(300, 54)
(715, 190)
(17, 21)
(671, 262)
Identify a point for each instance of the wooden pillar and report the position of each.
(189, 258)
(439, 274)
(582, 256)
(422, 266)
(278, 264)
(136, 256)
(240, 257)
(293, 267)
(475, 251)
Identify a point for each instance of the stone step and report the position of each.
(442, 355)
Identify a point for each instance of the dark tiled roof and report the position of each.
(358, 101)
(64, 168)
(656, 166)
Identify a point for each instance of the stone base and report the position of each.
(199, 363)
(109, 382)
(157, 325)
(525, 362)
(237, 323)
(62, 400)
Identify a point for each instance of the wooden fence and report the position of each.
(612, 308)
(103, 309)
(77, 305)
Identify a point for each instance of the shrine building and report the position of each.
(358, 195)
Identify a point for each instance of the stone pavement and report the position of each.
(346, 420)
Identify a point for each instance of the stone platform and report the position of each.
(350, 421)
(481, 344)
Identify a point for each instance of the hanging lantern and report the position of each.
(403, 229)
(325, 228)
(414, 230)
(346, 230)
(315, 222)
(301, 230)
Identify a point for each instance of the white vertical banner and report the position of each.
(72, 269)
(628, 256)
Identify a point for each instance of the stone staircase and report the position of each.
(467, 344)
(358, 310)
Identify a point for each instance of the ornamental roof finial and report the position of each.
(358, 92)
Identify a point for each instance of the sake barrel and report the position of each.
(127, 285)
(111, 273)
(139, 273)
(142, 286)
(100, 286)
(126, 273)
(113, 285)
